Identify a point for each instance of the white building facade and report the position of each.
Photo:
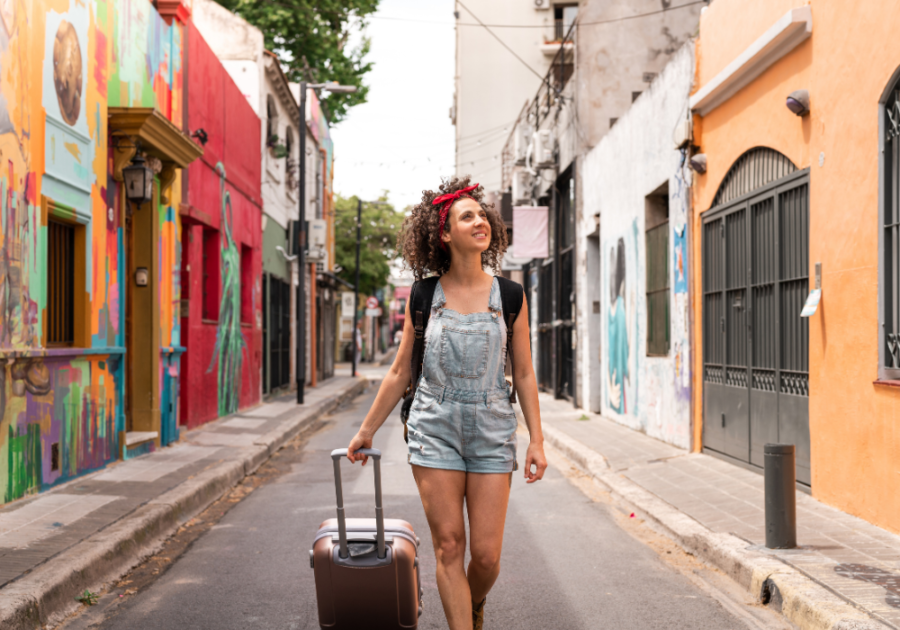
(632, 280)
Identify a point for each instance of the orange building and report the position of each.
(791, 201)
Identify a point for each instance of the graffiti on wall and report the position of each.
(230, 344)
(61, 409)
(621, 323)
(618, 345)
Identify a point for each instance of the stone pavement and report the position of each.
(852, 558)
(38, 533)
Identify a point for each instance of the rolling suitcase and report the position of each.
(366, 569)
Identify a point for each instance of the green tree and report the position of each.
(378, 241)
(314, 32)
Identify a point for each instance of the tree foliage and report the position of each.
(378, 241)
(314, 32)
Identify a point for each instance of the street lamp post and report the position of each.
(300, 231)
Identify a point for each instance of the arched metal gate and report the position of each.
(755, 281)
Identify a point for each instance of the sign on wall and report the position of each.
(347, 301)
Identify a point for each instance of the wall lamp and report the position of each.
(138, 179)
(287, 256)
(798, 102)
(201, 136)
(698, 163)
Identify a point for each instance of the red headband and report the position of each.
(448, 200)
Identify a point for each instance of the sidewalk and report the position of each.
(92, 529)
(845, 574)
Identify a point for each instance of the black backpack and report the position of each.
(420, 297)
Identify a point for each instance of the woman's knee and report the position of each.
(450, 547)
(485, 558)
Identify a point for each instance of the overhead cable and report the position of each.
(479, 23)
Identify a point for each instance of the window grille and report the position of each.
(658, 290)
(890, 245)
(60, 284)
(656, 251)
(753, 170)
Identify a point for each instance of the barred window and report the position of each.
(60, 283)
(889, 350)
(656, 224)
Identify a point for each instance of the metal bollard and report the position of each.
(781, 496)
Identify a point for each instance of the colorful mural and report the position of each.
(63, 63)
(222, 333)
(230, 345)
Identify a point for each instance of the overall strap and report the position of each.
(420, 298)
(511, 296)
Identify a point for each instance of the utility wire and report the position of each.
(502, 43)
(479, 23)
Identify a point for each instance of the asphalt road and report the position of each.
(568, 562)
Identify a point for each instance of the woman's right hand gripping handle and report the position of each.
(361, 440)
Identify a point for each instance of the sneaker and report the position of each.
(478, 615)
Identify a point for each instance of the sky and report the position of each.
(401, 140)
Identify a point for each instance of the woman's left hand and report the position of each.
(535, 456)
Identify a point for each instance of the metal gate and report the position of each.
(755, 344)
(546, 346)
(565, 294)
(276, 333)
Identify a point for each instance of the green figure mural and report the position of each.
(230, 345)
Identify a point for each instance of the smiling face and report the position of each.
(467, 228)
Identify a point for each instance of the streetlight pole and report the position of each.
(356, 287)
(300, 253)
(300, 232)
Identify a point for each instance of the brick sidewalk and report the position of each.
(36, 530)
(854, 559)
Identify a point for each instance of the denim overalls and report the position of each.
(461, 417)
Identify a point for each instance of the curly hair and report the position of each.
(418, 242)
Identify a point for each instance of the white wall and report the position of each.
(280, 201)
(629, 163)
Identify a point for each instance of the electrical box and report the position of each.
(521, 188)
(682, 135)
(318, 232)
(521, 138)
(543, 149)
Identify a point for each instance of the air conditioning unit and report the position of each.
(541, 5)
(543, 149)
(521, 188)
(521, 138)
(318, 232)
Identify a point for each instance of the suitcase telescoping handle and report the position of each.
(337, 455)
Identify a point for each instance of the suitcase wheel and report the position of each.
(312, 560)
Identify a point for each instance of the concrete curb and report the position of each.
(48, 591)
(802, 600)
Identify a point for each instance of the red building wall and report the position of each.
(221, 245)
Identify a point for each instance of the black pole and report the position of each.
(781, 496)
(300, 253)
(356, 287)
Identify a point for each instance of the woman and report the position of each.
(461, 427)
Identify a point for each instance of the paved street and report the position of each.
(568, 562)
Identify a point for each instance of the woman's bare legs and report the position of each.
(442, 493)
(486, 497)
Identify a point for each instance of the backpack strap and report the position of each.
(511, 296)
(420, 298)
